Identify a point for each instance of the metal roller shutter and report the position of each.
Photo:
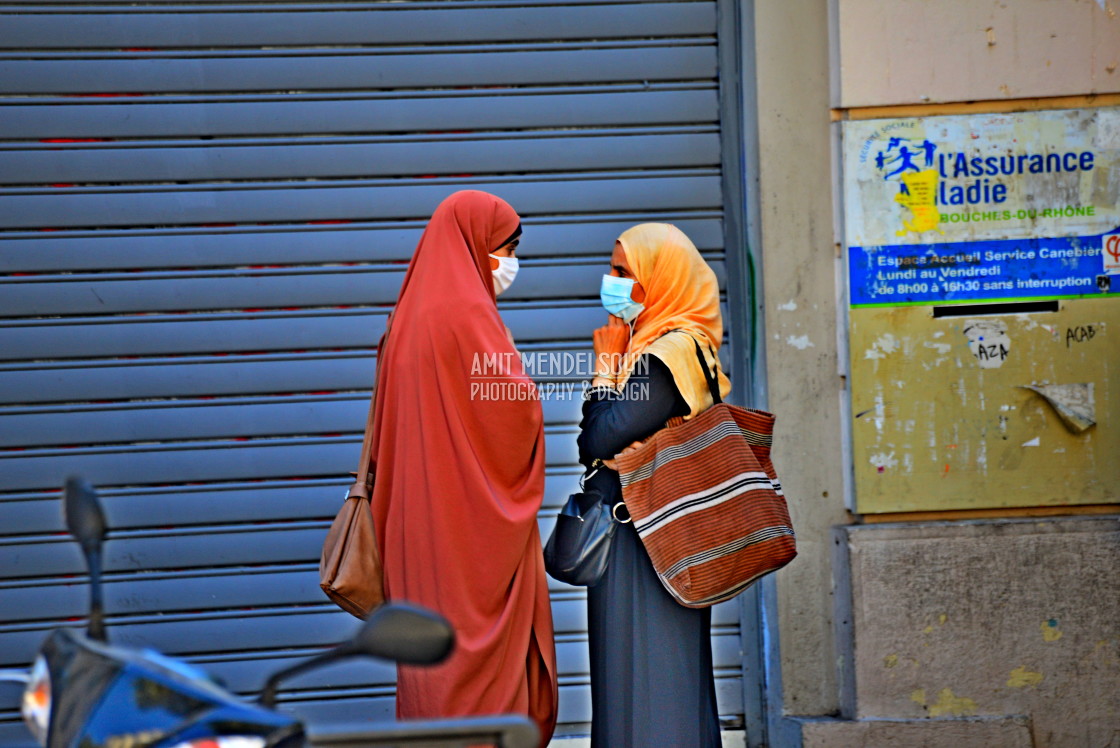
(205, 213)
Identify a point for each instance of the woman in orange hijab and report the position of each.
(651, 658)
(460, 474)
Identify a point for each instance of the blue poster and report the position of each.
(984, 271)
(985, 207)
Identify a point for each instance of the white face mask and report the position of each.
(504, 275)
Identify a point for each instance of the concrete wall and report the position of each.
(987, 619)
(905, 52)
(974, 732)
(991, 647)
(799, 282)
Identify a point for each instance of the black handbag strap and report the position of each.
(712, 378)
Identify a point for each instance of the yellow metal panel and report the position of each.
(942, 421)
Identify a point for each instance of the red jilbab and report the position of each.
(460, 479)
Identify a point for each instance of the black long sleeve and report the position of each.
(613, 421)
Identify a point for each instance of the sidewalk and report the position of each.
(731, 739)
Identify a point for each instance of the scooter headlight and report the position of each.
(225, 741)
(36, 707)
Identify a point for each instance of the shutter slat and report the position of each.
(165, 378)
(207, 461)
(162, 378)
(184, 420)
(326, 329)
(418, 69)
(582, 236)
(260, 289)
(272, 499)
(174, 549)
(272, 26)
(195, 636)
(347, 201)
(323, 159)
(129, 379)
(294, 114)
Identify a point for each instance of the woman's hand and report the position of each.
(613, 462)
(610, 342)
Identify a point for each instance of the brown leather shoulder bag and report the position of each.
(350, 566)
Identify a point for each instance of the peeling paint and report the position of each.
(962, 391)
(941, 348)
(1029, 322)
(1023, 678)
(1035, 442)
(881, 348)
(950, 705)
(883, 461)
(880, 412)
(1108, 124)
(1050, 630)
(789, 306)
(801, 342)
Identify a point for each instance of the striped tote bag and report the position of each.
(706, 502)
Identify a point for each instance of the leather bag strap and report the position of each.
(363, 483)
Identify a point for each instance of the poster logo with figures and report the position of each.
(989, 207)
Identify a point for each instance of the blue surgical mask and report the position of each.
(615, 295)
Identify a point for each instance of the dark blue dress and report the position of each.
(651, 658)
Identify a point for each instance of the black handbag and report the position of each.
(580, 543)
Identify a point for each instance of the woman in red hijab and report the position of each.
(460, 473)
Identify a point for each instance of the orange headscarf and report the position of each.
(682, 293)
(460, 476)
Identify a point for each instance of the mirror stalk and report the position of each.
(86, 522)
(268, 693)
(96, 628)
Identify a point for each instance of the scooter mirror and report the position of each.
(86, 522)
(404, 633)
(82, 511)
(398, 631)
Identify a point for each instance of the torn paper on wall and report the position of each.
(1074, 403)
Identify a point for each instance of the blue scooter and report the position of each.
(83, 692)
